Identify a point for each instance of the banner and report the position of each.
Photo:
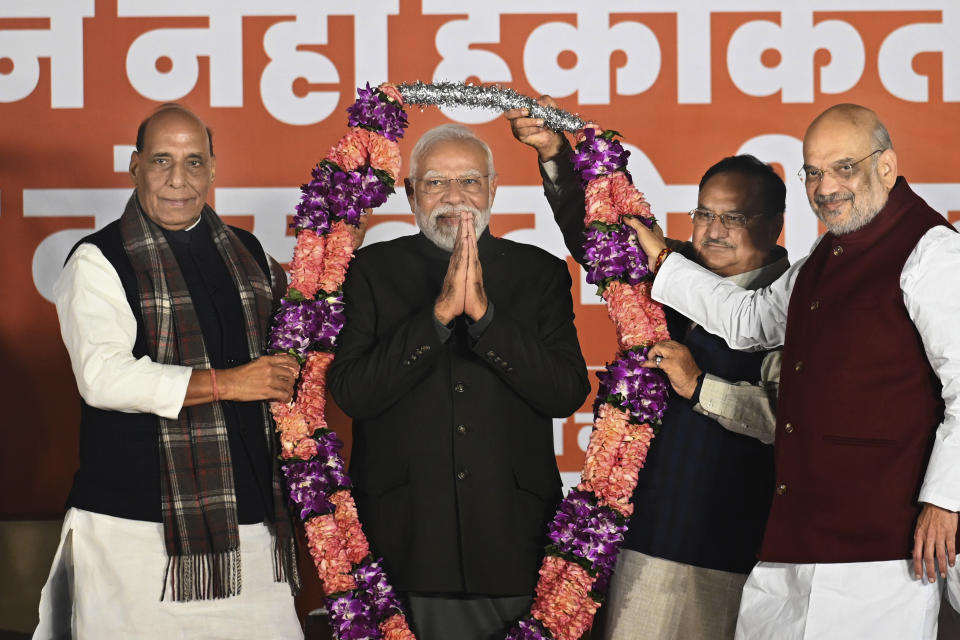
(685, 85)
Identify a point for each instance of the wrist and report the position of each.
(658, 262)
(695, 395)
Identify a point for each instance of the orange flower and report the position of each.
(325, 540)
(311, 392)
(625, 197)
(351, 150)
(391, 92)
(339, 252)
(562, 602)
(395, 628)
(385, 155)
(307, 258)
(599, 204)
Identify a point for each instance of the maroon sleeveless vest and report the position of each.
(859, 403)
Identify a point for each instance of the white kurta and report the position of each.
(107, 576)
(810, 601)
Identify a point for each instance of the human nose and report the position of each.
(176, 177)
(454, 192)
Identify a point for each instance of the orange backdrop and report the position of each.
(685, 86)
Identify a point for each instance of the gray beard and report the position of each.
(446, 237)
(858, 219)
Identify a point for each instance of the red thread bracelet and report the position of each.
(213, 380)
(660, 258)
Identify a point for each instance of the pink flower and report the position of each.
(562, 602)
(324, 539)
(351, 151)
(339, 252)
(312, 392)
(599, 204)
(307, 258)
(391, 92)
(395, 628)
(354, 543)
(625, 196)
(385, 155)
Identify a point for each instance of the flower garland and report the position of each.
(587, 530)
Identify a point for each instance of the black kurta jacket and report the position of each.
(453, 462)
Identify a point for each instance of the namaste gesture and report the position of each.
(462, 291)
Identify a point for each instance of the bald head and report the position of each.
(850, 166)
(853, 117)
(168, 109)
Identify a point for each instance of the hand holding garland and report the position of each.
(266, 378)
(531, 131)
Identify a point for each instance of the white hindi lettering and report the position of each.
(222, 43)
(460, 61)
(593, 41)
(62, 43)
(895, 61)
(796, 39)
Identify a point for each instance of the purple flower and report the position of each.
(374, 111)
(376, 590)
(614, 254)
(301, 324)
(586, 530)
(640, 390)
(311, 483)
(598, 156)
(334, 194)
(528, 628)
(350, 618)
(309, 487)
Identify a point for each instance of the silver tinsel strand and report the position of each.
(458, 94)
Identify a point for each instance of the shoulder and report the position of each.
(528, 254)
(387, 250)
(108, 240)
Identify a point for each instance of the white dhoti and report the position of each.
(842, 601)
(108, 576)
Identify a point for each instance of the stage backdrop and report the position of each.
(685, 85)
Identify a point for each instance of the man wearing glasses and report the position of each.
(702, 499)
(458, 349)
(868, 428)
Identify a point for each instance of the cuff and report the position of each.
(476, 329)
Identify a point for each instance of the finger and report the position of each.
(929, 562)
(952, 549)
(547, 101)
(513, 114)
(942, 557)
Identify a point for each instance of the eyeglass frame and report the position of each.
(802, 173)
(723, 217)
(446, 183)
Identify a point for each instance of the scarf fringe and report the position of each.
(285, 567)
(206, 576)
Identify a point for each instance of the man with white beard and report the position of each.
(862, 534)
(459, 348)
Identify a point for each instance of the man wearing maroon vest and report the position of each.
(867, 449)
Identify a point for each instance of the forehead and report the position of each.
(175, 129)
(728, 191)
(453, 157)
(833, 140)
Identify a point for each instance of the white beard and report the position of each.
(443, 235)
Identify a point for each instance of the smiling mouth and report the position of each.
(178, 203)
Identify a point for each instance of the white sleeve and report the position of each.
(747, 320)
(99, 331)
(930, 281)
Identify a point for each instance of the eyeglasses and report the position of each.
(842, 171)
(469, 184)
(702, 218)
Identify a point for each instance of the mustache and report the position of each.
(447, 209)
(716, 243)
(832, 197)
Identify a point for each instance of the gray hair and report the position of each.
(881, 137)
(443, 133)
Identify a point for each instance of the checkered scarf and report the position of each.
(198, 500)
